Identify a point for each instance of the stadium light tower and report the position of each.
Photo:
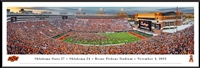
(80, 9)
(121, 9)
(101, 9)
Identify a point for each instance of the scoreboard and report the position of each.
(145, 25)
(64, 17)
(13, 19)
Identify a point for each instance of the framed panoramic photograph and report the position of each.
(100, 34)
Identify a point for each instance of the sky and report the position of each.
(108, 10)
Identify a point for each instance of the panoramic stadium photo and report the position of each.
(100, 30)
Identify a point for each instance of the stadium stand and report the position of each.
(35, 37)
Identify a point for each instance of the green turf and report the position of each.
(143, 34)
(113, 38)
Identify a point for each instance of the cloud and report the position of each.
(182, 9)
(109, 10)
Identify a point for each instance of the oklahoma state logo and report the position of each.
(191, 58)
(13, 58)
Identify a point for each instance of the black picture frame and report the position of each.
(94, 1)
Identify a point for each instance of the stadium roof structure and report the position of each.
(96, 16)
(142, 12)
(121, 12)
(81, 12)
(101, 12)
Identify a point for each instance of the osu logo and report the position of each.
(13, 58)
(191, 58)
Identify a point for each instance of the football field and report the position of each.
(113, 38)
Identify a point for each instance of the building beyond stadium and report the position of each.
(157, 21)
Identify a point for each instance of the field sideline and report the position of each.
(113, 38)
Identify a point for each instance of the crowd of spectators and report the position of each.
(101, 25)
(35, 37)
